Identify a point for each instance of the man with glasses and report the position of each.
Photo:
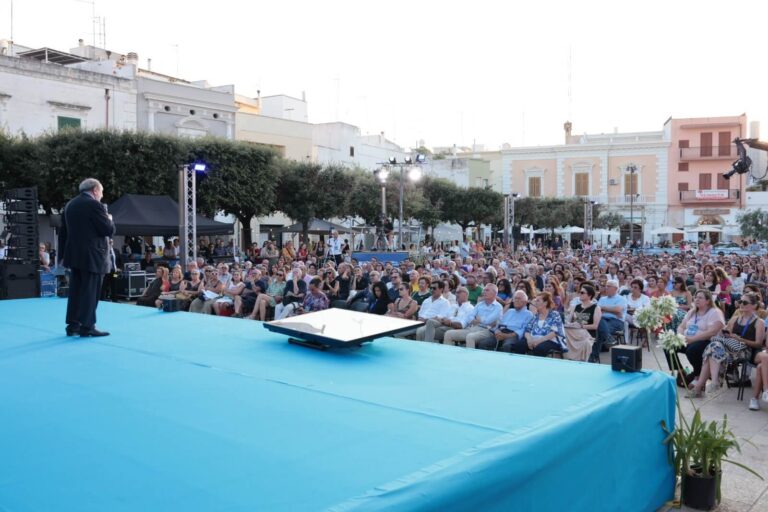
(487, 315)
(438, 315)
(613, 307)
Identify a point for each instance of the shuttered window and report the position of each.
(722, 183)
(682, 187)
(724, 144)
(705, 181)
(534, 186)
(582, 184)
(705, 148)
(630, 184)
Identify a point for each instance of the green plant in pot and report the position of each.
(698, 448)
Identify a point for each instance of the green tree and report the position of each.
(474, 205)
(241, 180)
(609, 220)
(308, 190)
(754, 224)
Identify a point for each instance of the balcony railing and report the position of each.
(627, 199)
(710, 196)
(708, 153)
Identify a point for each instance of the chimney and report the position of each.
(568, 126)
(149, 64)
(133, 58)
(80, 43)
(304, 96)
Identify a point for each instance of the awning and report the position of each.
(141, 215)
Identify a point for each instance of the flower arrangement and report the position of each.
(671, 341)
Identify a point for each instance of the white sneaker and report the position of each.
(754, 405)
(713, 387)
(765, 396)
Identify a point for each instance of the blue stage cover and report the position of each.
(177, 411)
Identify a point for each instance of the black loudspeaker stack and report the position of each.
(19, 276)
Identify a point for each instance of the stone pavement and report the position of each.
(741, 491)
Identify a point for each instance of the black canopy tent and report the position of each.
(140, 215)
(318, 227)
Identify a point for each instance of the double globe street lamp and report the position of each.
(413, 167)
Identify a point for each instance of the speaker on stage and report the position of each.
(25, 254)
(22, 229)
(21, 218)
(626, 358)
(25, 205)
(20, 193)
(19, 281)
(23, 241)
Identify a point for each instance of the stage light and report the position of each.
(392, 160)
(200, 167)
(414, 173)
(421, 158)
(408, 160)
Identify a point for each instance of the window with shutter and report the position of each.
(705, 181)
(630, 184)
(722, 183)
(724, 144)
(705, 148)
(582, 184)
(682, 166)
(682, 187)
(534, 186)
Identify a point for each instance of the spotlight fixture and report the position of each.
(742, 164)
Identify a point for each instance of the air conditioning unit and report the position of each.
(613, 181)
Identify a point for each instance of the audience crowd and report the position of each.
(543, 301)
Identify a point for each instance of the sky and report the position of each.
(444, 72)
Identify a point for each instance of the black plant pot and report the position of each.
(699, 491)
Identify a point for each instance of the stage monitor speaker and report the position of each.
(21, 218)
(20, 193)
(26, 254)
(19, 281)
(22, 229)
(25, 205)
(23, 241)
(627, 358)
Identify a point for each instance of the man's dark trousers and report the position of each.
(84, 292)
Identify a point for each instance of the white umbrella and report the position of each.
(605, 232)
(526, 230)
(542, 231)
(667, 230)
(704, 229)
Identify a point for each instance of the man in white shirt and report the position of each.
(435, 306)
(487, 315)
(335, 246)
(435, 328)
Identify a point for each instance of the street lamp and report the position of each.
(414, 174)
(631, 169)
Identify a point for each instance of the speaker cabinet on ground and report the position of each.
(26, 205)
(20, 193)
(21, 218)
(19, 281)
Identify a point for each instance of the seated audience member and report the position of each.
(544, 332)
(701, 323)
(613, 307)
(293, 295)
(761, 381)
(440, 318)
(211, 284)
(315, 299)
(379, 305)
(404, 306)
(474, 289)
(228, 294)
(510, 334)
(272, 296)
(741, 339)
(161, 284)
(423, 291)
(487, 314)
(581, 325)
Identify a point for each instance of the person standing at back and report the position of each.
(85, 231)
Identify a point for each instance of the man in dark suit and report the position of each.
(85, 231)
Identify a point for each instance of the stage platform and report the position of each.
(177, 411)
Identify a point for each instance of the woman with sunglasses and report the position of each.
(744, 333)
(404, 306)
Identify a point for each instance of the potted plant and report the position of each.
(697, 448)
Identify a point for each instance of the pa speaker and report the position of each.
(18, 281)
(21, 193)
(22, 229)
(23, 242)
(21, 218)
(27, 254)
(25, 205)
(627, 358)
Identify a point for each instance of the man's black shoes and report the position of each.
(93, 332)
(72, 330)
